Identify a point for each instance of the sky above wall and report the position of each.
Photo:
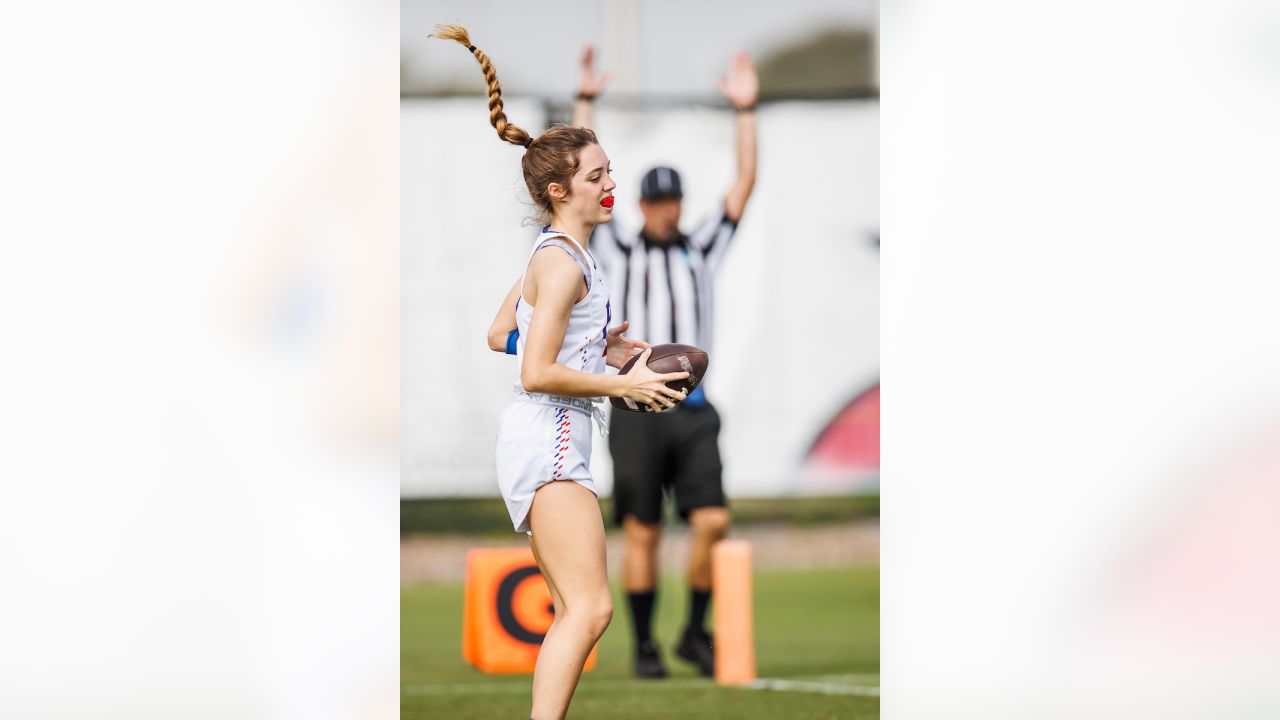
(667, 48)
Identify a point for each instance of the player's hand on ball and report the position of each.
(620, 348)
(646, 387)
(685, 363)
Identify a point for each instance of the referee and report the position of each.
(663, 283)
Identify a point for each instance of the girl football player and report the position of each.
(561, 313)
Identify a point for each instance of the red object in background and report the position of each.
(852, 440)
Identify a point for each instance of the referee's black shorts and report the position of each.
(676, 452)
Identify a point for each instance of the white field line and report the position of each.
(813, 687)
(825, 688)
(526, 686)
(848, 679)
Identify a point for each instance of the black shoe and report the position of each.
(649, 661)
(695, 647)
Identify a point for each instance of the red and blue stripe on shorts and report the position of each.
(563, 426)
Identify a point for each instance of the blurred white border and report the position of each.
(199, 295)
(1080, 353)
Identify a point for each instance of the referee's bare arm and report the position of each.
(742, 89)
(590, 86)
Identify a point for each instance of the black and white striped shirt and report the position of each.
(666, 290)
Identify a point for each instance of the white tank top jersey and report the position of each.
(543, 438)
(584, 340)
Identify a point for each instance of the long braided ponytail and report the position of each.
(552, 158)
(506, 131)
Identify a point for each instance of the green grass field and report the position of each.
(819, 626)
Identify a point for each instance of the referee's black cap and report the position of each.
(659, 183)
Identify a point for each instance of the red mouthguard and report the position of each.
(607, 202)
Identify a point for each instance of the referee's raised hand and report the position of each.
(742, 86)
(590, 84)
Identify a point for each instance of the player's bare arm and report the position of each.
(554, 284)
(742, 88)
(590, 85)
(620, 347)
(505, 321)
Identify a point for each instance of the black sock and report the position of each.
(642, 614)
(698, 602)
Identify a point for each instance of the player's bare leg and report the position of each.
(556, 602)
(568, 533)
(708, 526)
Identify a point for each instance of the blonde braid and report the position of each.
(497, 118)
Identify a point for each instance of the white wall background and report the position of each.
(797, 331)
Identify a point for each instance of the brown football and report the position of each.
(669, 358)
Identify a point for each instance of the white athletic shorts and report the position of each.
(538, 444)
